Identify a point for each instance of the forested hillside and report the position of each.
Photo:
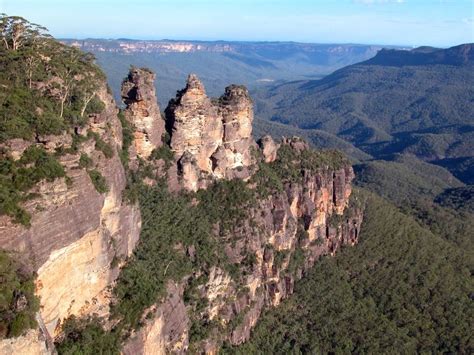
(418, 102)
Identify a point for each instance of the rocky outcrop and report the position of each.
(269, 149)
(287, 233)
(138, 94)
(210, 139)
(31, 343)
(166, 330)
(77, 235)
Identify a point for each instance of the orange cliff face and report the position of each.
(76, 232)
(310, 217)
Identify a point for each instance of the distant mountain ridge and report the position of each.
(419, 102)
(458, 55)
(218, 63)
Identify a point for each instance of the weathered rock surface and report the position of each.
(300, 219)
(306, 220)
(269, 148)
(75, 231)
(77, 235)
(32, 343)
(216, 134)
(139, 96)
(167, 330)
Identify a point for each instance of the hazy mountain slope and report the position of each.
(382, 106)
(219, 63)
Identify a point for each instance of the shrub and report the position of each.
(101, 145)
(18, 303)
(87, 336)
(164, 152)
(17, 177)
(98, 181)
(127, 138)
(85, 161)
(95, 106)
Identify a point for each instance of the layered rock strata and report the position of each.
(211, 139)
(142, 110)
(78, 237)
(77, 234)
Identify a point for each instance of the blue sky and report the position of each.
(404, 22)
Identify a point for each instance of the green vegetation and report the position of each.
(401, 288)
(164, 152)
(171, 225)
(175, 224)
(47, 89)
(290, 165)
(423, 191)
(17, 177)
(404, 179)
(101, 145)
(87, 336)
(460, 198)
(46, 86)
(18, 304)
(127, 134)
(377, 109)
(98, 181)
(85, 161)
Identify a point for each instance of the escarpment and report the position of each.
(228, 224)
(65, 217)
(76, 232)
(298, 208)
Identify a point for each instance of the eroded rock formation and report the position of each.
(283, 236)
(77, 232)
(142, 110)
(211, 139)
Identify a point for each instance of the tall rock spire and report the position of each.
(195, 124)
(142, 110)
(217, 134)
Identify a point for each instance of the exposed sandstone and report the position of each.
(269, 148)
(166, 332)
(142, 110)
(76, 232)
(217, 134)
(195, 124)
(32, 343)
(311, 216)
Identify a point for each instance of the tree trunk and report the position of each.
(86, 102)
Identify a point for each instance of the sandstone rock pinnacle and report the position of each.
(217, 134)
(269, 148)
(142, 110)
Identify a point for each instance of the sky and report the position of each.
(441, 23)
